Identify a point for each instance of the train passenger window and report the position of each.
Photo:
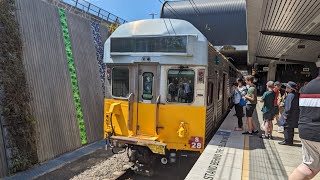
(180, 85)
(210, 93)
(120, 82)
(147, 85)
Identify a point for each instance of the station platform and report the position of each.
(233, 156)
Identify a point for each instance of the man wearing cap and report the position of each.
(289, 117)
(268, 110)
(309, 131)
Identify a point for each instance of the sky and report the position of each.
(130, 10)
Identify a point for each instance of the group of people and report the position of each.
(293, 109)
(180, 91)
(245, 92)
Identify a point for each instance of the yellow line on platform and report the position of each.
(245, 160)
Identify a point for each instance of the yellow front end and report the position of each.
(179, 127)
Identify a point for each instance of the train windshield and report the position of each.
(147, 85)
(180, 85)
(120, 82)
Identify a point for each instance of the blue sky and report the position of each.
(130, 10)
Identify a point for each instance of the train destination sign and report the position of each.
(162, 44)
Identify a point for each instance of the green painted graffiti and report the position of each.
(73, 75)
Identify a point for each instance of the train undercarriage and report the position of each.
(148, 157)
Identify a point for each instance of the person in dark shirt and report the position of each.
(291, 112)
(309, 131)
(268, 110)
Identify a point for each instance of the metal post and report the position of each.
(108, 17)
(99, 12)
(152, 14)
(76, 3)
(88, 7)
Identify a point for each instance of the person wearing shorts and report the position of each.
(251, 97)
(268, 110)
(309, 131)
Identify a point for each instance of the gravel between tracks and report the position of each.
(105, 169)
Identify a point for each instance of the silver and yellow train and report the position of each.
(167, 90)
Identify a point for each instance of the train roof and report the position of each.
(158, 27)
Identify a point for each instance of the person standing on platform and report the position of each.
(238, 108)
(268, 110)
(289, 118)
(251, 97)
(309, 131)
(241, 87)
(276, 90)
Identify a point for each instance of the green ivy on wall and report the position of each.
(73, 75)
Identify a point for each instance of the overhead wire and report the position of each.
(194, 9)
(172, 27)
(195, 5)
(169, 19)
(166, 26)
(174, 13)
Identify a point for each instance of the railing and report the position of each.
(95, 10)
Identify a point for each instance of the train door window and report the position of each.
(180, 87)
(219, 84)
(210, 93)
(147, 85)
(220, 90)
(120, 82)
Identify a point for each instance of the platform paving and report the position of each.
(233, 156)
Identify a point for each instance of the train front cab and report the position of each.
(148, 106)
(157, 102)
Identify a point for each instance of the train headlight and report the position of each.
(201, 73)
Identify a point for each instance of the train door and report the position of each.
(148, 90)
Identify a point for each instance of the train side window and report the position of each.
(219, 90)
(219, 82)
(210, 93)
(180, 87)
(147, 85)
(120, 82)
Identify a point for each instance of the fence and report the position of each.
(95, 10)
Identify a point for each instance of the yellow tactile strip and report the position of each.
(245, 161)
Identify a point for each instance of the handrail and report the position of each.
(129, 125)
(95, 10)
(157, 113)
(123, 98)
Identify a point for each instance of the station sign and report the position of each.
(265, 68)
(305, 69)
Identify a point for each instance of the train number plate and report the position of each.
(196, 142)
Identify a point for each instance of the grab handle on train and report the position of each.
(130, 107)
(157, 113)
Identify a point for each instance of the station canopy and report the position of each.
(223, 22)
(283, 31)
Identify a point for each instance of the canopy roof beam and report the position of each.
(292, 35)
